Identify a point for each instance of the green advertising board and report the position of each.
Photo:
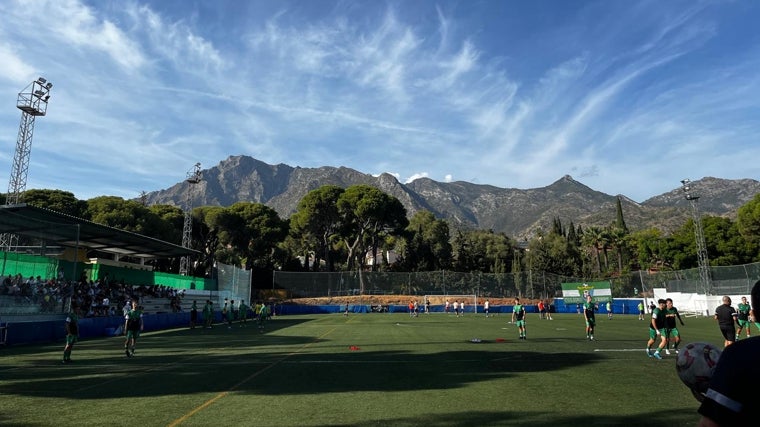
(576, 292)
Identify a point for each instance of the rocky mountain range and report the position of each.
(516, 212)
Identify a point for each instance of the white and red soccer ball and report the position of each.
(695, 365)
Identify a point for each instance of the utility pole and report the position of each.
(193, 177)
(33, 102)
(704, 264)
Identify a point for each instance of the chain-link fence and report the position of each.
(527, 284)
(233, 283)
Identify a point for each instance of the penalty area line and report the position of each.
(618, 349)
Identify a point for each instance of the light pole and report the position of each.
(193, 177)
(33, 103)
(704, 264)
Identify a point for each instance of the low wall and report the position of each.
(45, 331)
(390, 308)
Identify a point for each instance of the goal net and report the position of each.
(469, 302)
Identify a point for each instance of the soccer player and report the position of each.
(262, 315)
(72, 332)
(730, 400)
(726, 317)
(743, 317)
(208, 314)
(486, 307)
(657, 329)
(133, 325)
(193, 315)
(230, 314)
(456, 308)
(242, 313)
(609, 310)
(588, 314)
(641, 310)
(518, 318)
(548, 310)
(671, 329)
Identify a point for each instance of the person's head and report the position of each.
(744, 300)
(134, 303)
(727, 300)
(669, 302)
(588, 298)
(756, 295)
(661, 302)
(517, 300)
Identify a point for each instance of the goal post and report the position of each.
(470, 301)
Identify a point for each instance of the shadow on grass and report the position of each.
(252, 371)
(552, 417)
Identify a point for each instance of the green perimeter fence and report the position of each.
(733, 280)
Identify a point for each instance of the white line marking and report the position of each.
(618, 349)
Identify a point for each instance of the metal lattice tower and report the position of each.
(699, 236)
(33, 102)
(193, 177)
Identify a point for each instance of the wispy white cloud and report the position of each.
(622, 98)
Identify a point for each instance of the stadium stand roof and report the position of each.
(70, 231)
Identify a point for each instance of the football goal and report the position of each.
(468, 302)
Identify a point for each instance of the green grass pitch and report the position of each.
(361, 370)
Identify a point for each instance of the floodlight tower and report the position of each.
(33, 102)
(704, 264)
(193, 177)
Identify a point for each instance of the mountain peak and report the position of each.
(516, 212)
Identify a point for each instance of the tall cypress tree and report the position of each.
(619, 221)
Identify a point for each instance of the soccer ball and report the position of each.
(695, 365)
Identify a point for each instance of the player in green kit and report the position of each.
(518, 318)
(72, 332)
(657, 329)
(671, 330)
(133, 325)
(743, 320)
(242, 313)
(589, 315)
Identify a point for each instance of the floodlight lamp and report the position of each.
(41, 80)
(46, 98)
(49, 85)
(685, 181)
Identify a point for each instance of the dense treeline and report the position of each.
(362, 227)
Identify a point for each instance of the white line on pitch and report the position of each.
(618, 349)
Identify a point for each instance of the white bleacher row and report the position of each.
(153, 305)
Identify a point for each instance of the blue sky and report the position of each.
(628, 97)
